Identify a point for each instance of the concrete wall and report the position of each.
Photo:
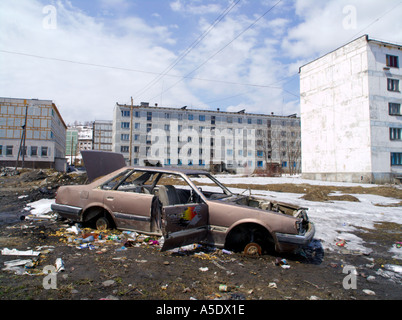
(345, 120)
(335, 117)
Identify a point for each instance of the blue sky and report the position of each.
(88, 55)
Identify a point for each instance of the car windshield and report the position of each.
(210, 186)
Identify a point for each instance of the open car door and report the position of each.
(184, 224)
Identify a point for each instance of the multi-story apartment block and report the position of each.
(32, 133)
(351, 117)
(102, 135)
(205, 139)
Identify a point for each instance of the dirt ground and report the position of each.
(142, 272)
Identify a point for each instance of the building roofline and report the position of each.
(366, 36)
(242, 112)
(58, 113)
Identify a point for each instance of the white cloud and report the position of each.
(82, 92)
(329, 24)
(195, 7)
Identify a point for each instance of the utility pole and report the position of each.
(131, 132)
(22, 149)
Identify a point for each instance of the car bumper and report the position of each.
(68, 212)
(295, 239)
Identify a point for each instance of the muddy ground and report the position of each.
(143, 272)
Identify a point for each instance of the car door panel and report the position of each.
(184, 224)
(130, 210)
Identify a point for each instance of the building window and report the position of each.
(260, 153)
(167, 127)
(136, 137)
(167, 115)
(125, 125)
(230, 119)
(259, 121)
(395, 133)
(137, 126)
(136, 161)
(124, 149)
(393, 85)
(260, 164)
(240, 120)
(190, 117)
(125, 113)
(9, 150)
(44, 151)
(149, 127)
(249, 121)
(125, 137)
(1, 150)
(149, 116)
(179, 162)
(180, 117)
(137, 114)
(396, 159)
(392, 61)
(213, 119)
(394, 109)
(201, 162)
(136, 149)
(230, 152)
(202, 117)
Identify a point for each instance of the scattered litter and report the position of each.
(15, 252)
(223, 288)
(15, 263)
(108, 283)
(272, 285)
(369, 292)
(398, 245)
(341, 243)
(226, 251)
(59, 265)
(203, 269)
(74, 229)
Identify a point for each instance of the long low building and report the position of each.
(32, 134)
(206, 139)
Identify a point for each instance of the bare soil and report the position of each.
(143, 272)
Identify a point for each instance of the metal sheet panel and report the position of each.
(101, 163)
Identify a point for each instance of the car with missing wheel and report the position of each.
(185, 207)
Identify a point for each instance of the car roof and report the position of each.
(168, 170)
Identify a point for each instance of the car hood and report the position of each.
(101, 163)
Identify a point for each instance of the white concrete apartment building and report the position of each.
(102, 132)
(205, 139)
(351, 117)
(45, 134)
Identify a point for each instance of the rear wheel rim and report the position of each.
(252, 249)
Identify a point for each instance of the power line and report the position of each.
(128, 69)
(224, 47)
(376, 20)
(190, 48)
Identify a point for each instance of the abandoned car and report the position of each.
(185, 206)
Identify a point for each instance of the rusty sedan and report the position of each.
(185, 206)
